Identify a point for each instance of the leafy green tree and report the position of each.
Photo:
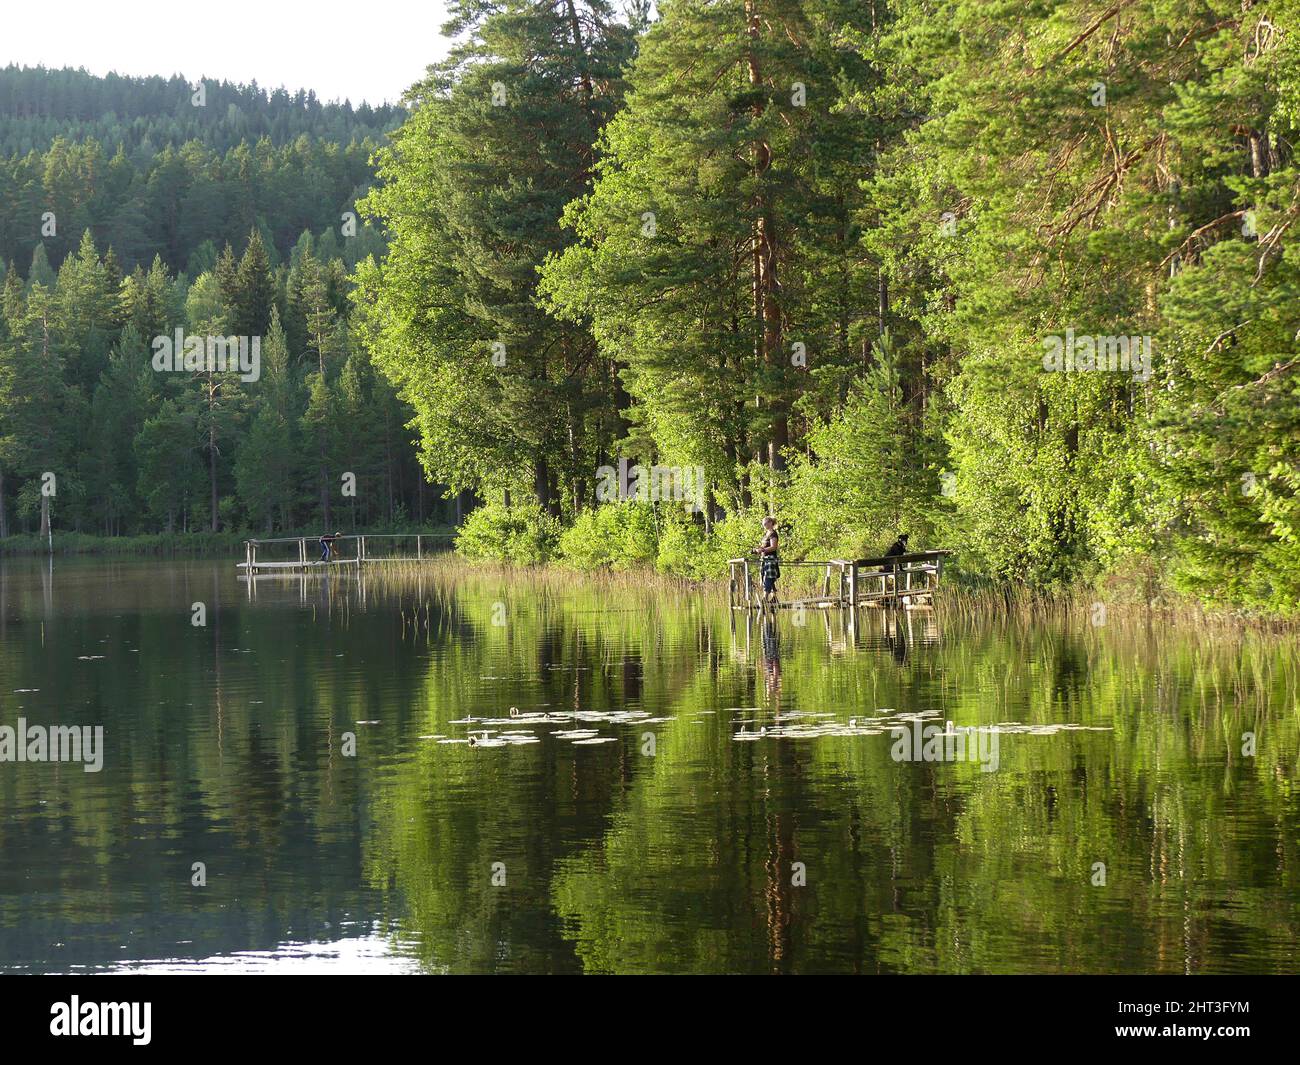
(501, 137)
(715, 248)
(85, 298)
(868, 474)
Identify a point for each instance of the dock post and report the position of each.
(248, 558)
(747, 595)
(853, 584)
(361, 551)
(418, 553)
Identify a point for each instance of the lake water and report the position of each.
(679, 790)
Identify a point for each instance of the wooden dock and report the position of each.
(909, 581)
(349, 552)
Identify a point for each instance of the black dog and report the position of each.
(898, 547)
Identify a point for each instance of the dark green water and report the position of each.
(674, 846)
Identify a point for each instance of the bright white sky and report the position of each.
(369, 50)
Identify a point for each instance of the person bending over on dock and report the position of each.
(327, 546)
(770, 565)
(898, 547)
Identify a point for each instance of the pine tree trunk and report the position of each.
(542, 483)
(388, 468)
(212, 471)
(766, 310)
(584, 77)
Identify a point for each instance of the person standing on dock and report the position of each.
(327, 546)
(770, 564)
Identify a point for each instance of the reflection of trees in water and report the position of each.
(618, 861)
(940, 867)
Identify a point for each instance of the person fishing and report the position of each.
(770, 564)
(327, 546)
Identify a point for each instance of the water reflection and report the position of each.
(617, 820)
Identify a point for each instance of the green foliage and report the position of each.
(718, 241)
(685, 550)
(500, 139)
(868, 474)
(633, 535)
(617, 535)
(1070, 170)
(180, 202)
(108, 187)
(133, 449)
(522, 534)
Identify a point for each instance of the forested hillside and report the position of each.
(128, 212)
(37, 105)
(151, 170)
(1018, 280)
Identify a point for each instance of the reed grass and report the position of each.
(962, 599)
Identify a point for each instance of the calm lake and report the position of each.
(290, 786)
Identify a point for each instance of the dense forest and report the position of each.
(129, 211)
(1020, 282)
(151, 171)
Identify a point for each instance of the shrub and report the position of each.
(523, 534)
(618, 535)
(683, 549)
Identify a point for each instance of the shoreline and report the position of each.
(189, 544)
(964, 594)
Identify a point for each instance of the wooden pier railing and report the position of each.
(355, 551)
(895, 580)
